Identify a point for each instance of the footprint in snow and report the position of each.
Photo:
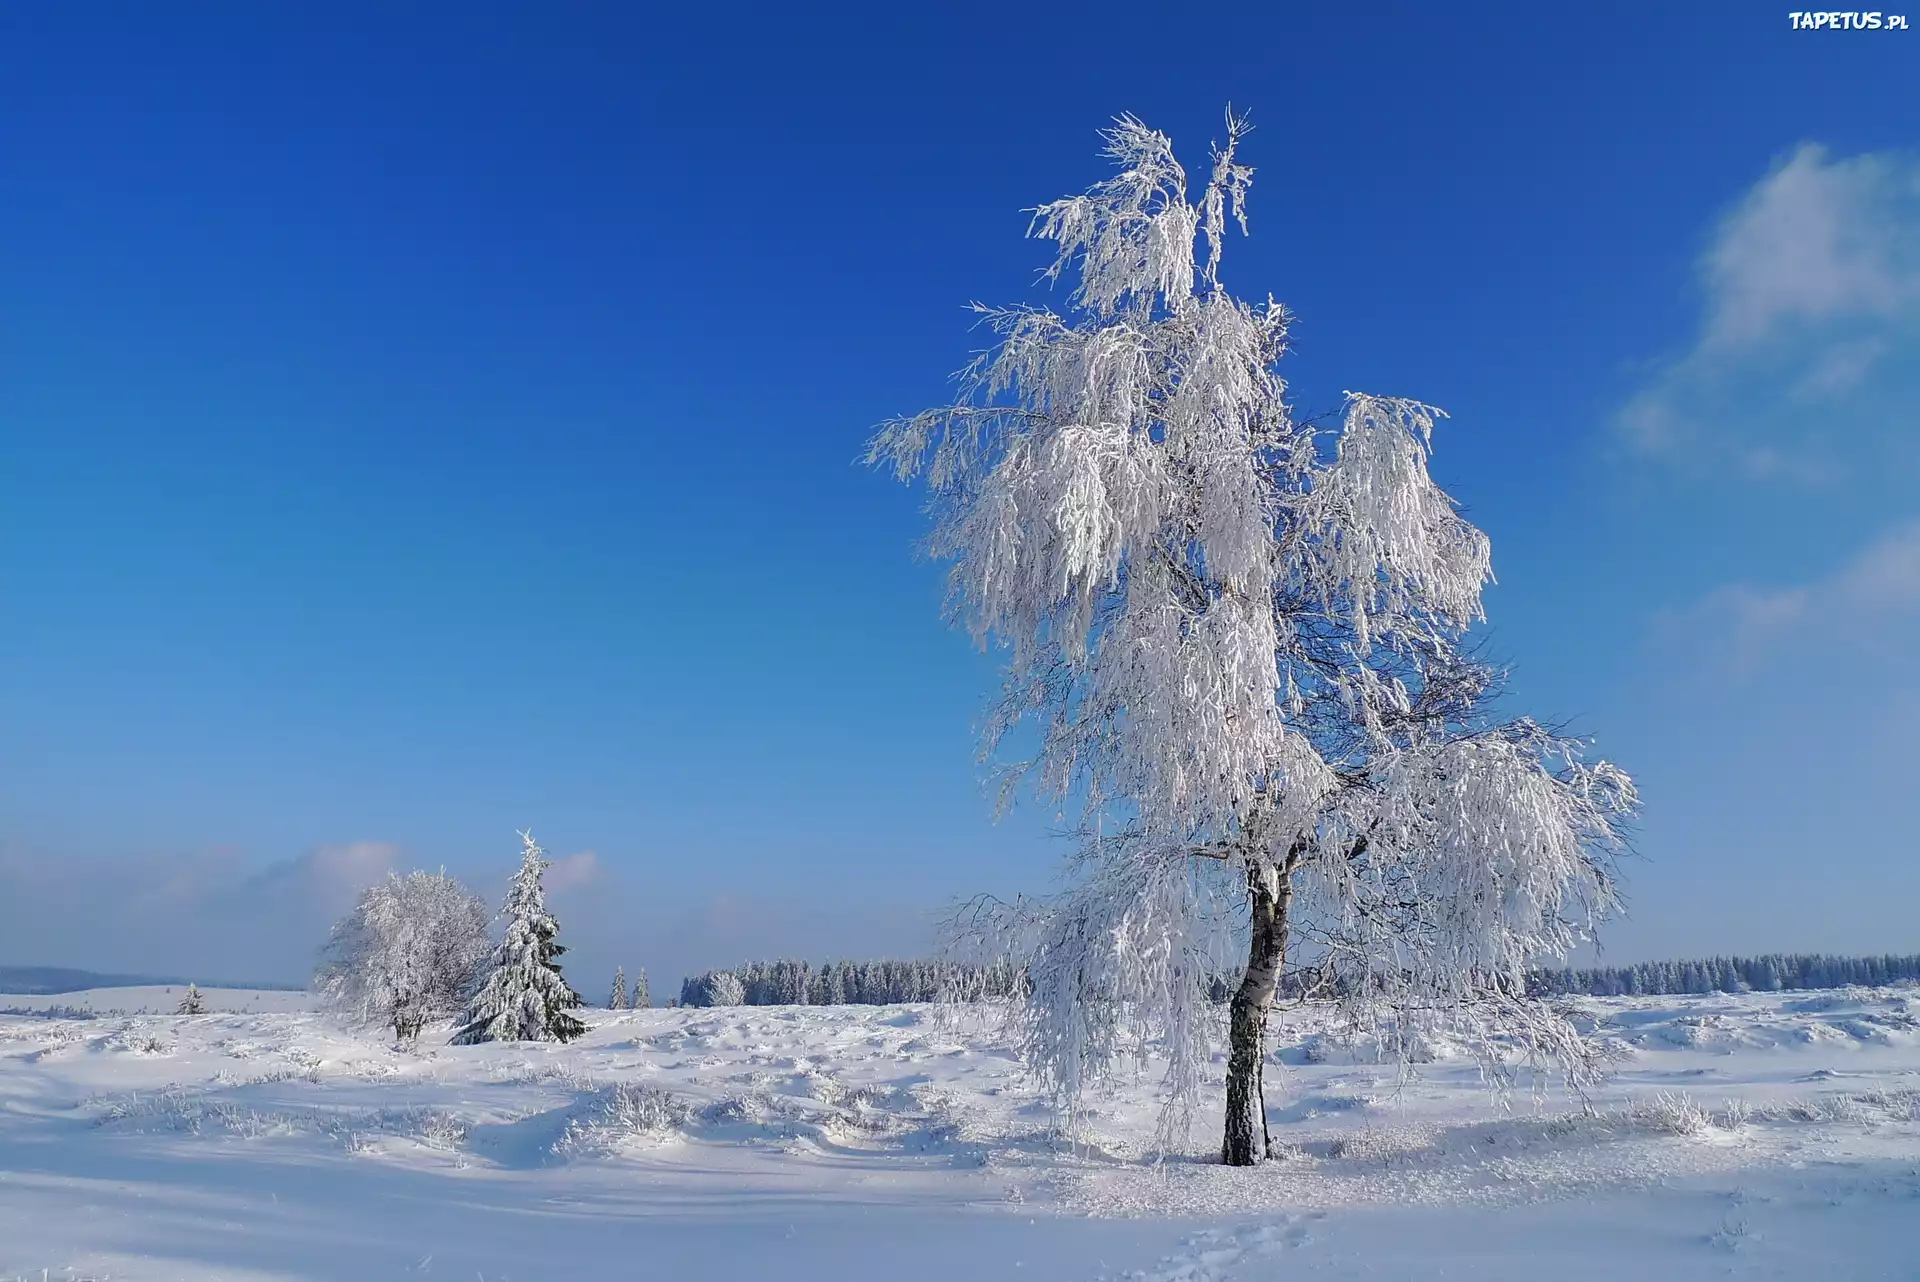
(1210, 1256)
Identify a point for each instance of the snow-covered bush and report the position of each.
(1671, 1113)
(624, 1113)
(1897, 1104)
(437, 1128)
(642, 1110)
(406, 954)
(55, 1012)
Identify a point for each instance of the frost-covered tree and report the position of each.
(714, 988)
(1238, 642)
(525, 998)
(407, 953)
(775, 983)
(726, 990)
(617, 999)
(830, 985)
(191, 1004)
(642, 996)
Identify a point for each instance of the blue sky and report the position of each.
(416, 426)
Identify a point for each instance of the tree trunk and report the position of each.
(1269, 893)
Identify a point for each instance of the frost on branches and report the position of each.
(1237, 644)
(406, 954)
(525, 998)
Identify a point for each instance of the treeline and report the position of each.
(886, 983)
(1773, 972)
(847, 983)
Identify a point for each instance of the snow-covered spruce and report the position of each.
(524, 997)
(1243, 655)
(642, 998)
(406, 954)
(617, 999)
(191, 1004)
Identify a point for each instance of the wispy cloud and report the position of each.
(1804, 362)
(571, 872)
(208, 913)
(328, 877)
(214, 914)
(1870, 605)
(1817, 239)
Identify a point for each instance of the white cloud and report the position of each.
(1815, 240)
(1871, 604)
(1841, 368)
(1804, 365)
(1885, 580)
(572, 871)
(332, 874)
(211, 913)
(214, 914)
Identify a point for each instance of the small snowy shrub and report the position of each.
(1825, 1108)
(174, 1110)
(441, 1130)
(136, 1107)
(644, 1110)
(1844, 1108)
(49, 1012)
(1897, 1105)
(734, 1109)
(1382, 1145)
(1670, 1113)
(625, 1112)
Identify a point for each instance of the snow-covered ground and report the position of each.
(158, 1000)
(1771, 1136)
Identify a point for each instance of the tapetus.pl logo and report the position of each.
(1875, 21)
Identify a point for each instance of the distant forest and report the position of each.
(1772, 972)
(887, 983)
(845, 983)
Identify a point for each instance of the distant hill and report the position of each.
(42, 980)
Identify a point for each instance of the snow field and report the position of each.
(1754, 1134)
